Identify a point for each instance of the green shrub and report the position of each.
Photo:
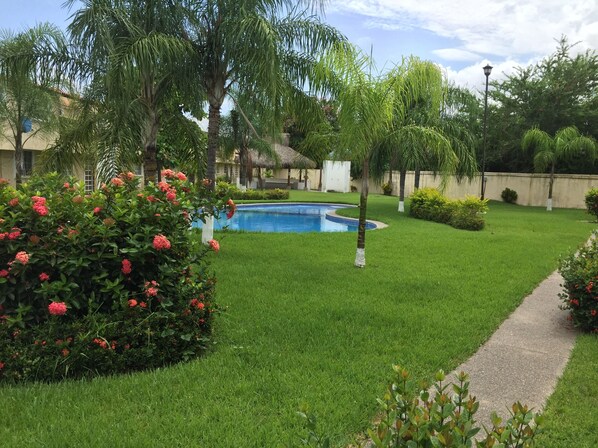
(225, 190)
(432, 417)
(387, 189)
(580, 274)
(592, 202)
(116, 269)
(509, 196)
(431, 205)
(467, 213)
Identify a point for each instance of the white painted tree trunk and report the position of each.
(549, 205)
(360, 258)
(207, 230)
(402, 206)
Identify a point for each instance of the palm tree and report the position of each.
(132, 54)
(371, 111)
(268, 47)
(30, 82)
(567, 143)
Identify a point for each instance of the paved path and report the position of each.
(525, 357)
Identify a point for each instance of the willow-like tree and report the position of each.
(30, 83)
(268, 47)
(566, 144)
(132, 54)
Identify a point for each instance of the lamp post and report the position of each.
(487, 71)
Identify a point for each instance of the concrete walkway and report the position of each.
(525, 357)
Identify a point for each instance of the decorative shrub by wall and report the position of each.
(101, 283)
(431, 205)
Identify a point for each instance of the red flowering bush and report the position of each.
(117, 266)
(580, 274)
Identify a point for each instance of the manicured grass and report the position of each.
(304, 326)
(572, 411)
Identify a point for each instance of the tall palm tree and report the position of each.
(30, 82)
(567, 143)
(371, 111)
(133, 54)
(269, 47)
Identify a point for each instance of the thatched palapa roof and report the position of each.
(288, 158)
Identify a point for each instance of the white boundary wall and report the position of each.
(532, 189)
(336, 176)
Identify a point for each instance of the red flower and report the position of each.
(1, 365)
(151, 292)
(4, 273)
(167, 173)
(574, 302)
(41, 210)
(132, 303)
(163, 186)
(593, 313)
(215, 245)
(230, 213)
(44, 277)
(171, 195)
(14, 234)
(181, 176)
(161, 242)
(126, 267)
(117, 182)
(38, 200)
(57, 308)
(66, 185)
(65, 352)
(143, 304)
(22, 257)
(13, 202)
(151, 198)
(97, 210)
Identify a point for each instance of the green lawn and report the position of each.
(303, 326)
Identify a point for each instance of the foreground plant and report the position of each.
(429, 416)
(101, 283)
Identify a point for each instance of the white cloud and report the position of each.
(456, 54)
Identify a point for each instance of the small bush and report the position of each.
(592, 202)
(431, 205)
(580, 274)
(101, 283)
(225, 190)
(467, 213)
(430, 416)
(509, 196)
(387, 189)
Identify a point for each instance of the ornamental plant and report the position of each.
(435, 416)
(105, 282)
(509, 196)
(580, 296)
(431, 205)
(591, 200)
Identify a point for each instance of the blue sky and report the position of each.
(460, 35)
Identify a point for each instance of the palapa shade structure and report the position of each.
(287, 158)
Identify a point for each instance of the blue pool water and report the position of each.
(287, 218)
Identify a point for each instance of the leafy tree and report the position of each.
(30, 82)
(559, 91)
(566, 144)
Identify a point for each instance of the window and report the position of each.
(28, 161)
(89, 179)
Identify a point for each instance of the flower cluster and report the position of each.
(39, 205)
(161, 242)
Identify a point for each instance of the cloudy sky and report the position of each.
(460, 35)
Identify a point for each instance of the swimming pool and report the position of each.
(288, 217)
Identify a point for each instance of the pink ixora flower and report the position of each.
(13, 202)
(97, 210)
(168, 173)
(161, 242)
(132, 303)
(43, 277)
(181, 176)
(22, 257)
(117, 182)
(41, 210)
(4, 273)
(215, 245)
(57, 308)
(126, 267)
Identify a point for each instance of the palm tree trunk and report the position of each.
(320, 182)
(213, 134)
(416, 183)
(402, 176)
(150, 153)
(363, 202)
(19, 158)
(550, 183)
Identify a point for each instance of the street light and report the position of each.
(487, 71)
